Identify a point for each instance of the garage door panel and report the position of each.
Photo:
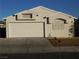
(25, 29)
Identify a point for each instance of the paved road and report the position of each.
(31, 45)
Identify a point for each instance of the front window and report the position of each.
(57, 25)
(27, 15)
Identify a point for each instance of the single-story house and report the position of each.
(40, 22)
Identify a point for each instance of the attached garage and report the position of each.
(26, 29)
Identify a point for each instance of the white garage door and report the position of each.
(26, 29)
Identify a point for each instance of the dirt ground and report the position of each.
(64, 41)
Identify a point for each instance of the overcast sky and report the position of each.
(9, 7)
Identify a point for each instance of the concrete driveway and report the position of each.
(31, 45)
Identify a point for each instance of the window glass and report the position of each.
(29, 15)
(57, 25)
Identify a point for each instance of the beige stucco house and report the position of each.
(40, 22)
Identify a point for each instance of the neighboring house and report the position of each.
(77, 28)
(2, 24)
(40, 22)
(2, 29)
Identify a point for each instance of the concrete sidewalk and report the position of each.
(31, 45)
